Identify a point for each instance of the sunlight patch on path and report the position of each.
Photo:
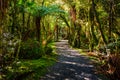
(70, 65)
(74, 63)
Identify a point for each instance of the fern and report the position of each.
(41, 11)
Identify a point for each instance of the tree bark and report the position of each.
(14, 17)
(99, 24)
(110, 19)
(38, 28)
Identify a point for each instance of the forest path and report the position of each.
(71, 65)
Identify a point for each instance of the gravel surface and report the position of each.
(71, 65)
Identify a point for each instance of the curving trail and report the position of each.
(71, 65)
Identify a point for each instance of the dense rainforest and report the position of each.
(29, 28)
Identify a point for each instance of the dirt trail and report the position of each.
(71, 65)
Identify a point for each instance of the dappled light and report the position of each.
(71, 65)
(59, 39)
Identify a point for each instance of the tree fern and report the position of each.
(41, 11)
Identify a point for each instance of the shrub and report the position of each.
(31, 49)
(48, 45)
(48, 50)
(114, 46)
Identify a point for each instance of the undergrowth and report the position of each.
(30, 69)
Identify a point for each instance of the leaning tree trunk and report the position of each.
(98, 21)
(68, 25)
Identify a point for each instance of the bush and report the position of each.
(48, 50)
(114, 46)
(48, 46)
(31, 50)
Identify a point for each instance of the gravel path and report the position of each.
(71, 65)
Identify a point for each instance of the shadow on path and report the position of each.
(71, 65)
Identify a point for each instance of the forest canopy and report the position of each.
(28, 27)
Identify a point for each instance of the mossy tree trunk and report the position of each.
(93, 38)
(98, 22)
(74, 32)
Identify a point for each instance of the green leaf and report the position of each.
(42, 11)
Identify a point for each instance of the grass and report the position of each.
(40, 66)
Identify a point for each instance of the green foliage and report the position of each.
(19, 19)
(49, 49)
(31, 49)
(114, 46)
(30, 69)
(41, 11)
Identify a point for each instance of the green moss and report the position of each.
(31, 69)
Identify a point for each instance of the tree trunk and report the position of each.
(38, 28)
(99, 24)
(14, 18)
(92, 21)
(57, 32)
(23, 16)
(69, 30)
(28, 21)
(110, 19)
(73, 31)
(78, 37)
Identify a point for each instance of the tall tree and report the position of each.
(98, 21)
